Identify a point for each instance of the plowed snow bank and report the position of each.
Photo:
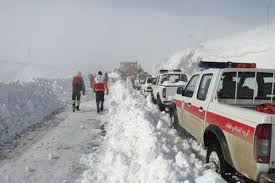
(25, 104)
(140, 146)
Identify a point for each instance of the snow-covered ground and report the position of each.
(141, 146)
(52, 152)
(169, 83)
(24, 104)
(253, 46)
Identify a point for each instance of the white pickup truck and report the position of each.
(146, 88)
(230, 109)
(166, 86)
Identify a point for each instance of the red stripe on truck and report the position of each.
(177, 102)
(195, 110)
(231, 126)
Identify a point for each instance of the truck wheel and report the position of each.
(215, 157)
(161, 106)
(175, 121)
(153, 98)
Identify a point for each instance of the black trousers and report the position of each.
(99, 98)
(76, 95)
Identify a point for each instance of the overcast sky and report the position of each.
(89, 35)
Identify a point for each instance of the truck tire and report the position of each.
(160, 104)
(153, 98)
(215, 156)
(175, 121)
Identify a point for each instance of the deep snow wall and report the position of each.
(24, 104)
(140, 146)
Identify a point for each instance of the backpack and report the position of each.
(77, 81)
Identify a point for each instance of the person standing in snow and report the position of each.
(100, 86)
(78, 86)
(106, 77)
(91, 79)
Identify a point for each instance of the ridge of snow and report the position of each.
(24, 104)
(114, 75)
(140, 146)
(252, 46)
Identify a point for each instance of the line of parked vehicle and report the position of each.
(230, 108)
(164, 86)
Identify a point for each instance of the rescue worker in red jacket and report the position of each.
(100, 86)
(78, 86)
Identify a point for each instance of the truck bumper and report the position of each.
(267, 178)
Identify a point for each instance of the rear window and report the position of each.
(173, 78)
(150, 80)
(246, 85)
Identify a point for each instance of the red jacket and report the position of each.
(99, 84)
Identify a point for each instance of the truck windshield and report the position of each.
(173, 78)
(246, 85)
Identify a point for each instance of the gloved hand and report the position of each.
(107, 93)
(83, 92)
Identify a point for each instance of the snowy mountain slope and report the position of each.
(253, 46)
(141, 147)
(28, 103)
(26, 71)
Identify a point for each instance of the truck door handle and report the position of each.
(201, 109)
(189, 104)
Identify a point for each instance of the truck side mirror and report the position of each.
(180, 90)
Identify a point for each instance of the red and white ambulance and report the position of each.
(230, 108)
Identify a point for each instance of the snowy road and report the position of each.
(52, 153)
(139, 146)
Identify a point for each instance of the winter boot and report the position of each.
(73, 106)
(77, 105)
(97, 107)
(101, 109)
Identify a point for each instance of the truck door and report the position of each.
(155, 88)
(188, 97)
(200, 105)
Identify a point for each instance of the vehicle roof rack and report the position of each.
(222, 65)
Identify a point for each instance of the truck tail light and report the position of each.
(244, 65)
(263, 143)
(164, 93)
